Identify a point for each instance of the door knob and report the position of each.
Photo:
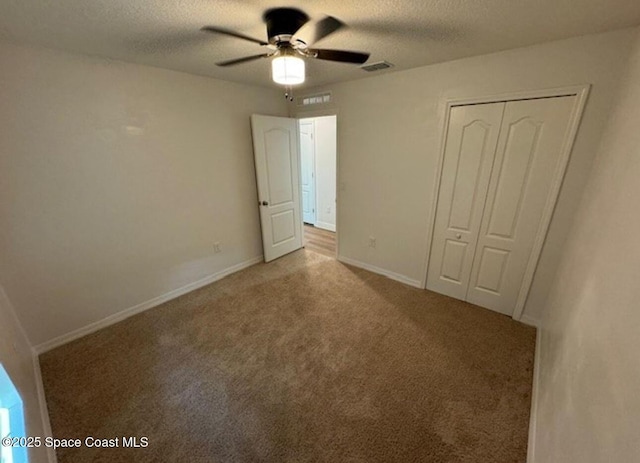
(265, 203)
(458, 236)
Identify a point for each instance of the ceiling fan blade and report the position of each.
(342, 56)
(219, 30)
(313, 31)
(233, 62)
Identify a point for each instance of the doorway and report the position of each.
(318, 173)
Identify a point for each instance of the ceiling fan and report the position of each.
(290, 36)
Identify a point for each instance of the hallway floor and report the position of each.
(319, 240)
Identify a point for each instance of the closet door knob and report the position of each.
(458, 236)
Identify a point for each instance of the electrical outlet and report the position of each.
(216, 247)
(372, 242)
(328, 209)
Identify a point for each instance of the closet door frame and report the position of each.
(581, 93)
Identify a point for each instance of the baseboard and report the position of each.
(136, 309)
(44, 411)
(381, 271)
(533, 417)
(326, 226)
(529, 321)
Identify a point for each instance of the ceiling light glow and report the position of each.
(287, 70)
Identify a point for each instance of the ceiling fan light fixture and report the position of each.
(287, 70)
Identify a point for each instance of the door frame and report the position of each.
(330, 111)
(581, 93)
(315, 190)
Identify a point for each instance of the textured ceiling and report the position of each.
(408, 33)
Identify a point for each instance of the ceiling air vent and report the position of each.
(377, 66)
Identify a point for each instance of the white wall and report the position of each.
(389, 129)
(115, 181)
(325, 137)
(589, 400)
(18, 360)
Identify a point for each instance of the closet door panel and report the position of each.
(532, 137)
(469, 152)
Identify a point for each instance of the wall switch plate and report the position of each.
(372, 242)
(216, 247)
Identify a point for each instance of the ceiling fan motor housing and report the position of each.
(291, 34)
(282, 23)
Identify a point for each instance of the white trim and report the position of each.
(312, 121)
(381, 271)
(44, 413)
(324, 112)
(5, 298)
(44, 410)
(326, 226)
(301, 224)
(316, 209)
(535, 387)
(444, 130)
(527, 320)
(552, 198)
(337, 206)
(581, 92)
(136, 309)
(305, 112)
(521, 95)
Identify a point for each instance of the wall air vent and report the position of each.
(376, 66)
(321, 98)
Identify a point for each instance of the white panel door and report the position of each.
(527, 158)
(470, 147)
(308, 169)
(275, 148)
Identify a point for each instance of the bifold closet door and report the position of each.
(531, 140)
(469, 151)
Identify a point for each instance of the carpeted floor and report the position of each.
(300, 360)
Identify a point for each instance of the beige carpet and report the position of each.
(300, 360)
